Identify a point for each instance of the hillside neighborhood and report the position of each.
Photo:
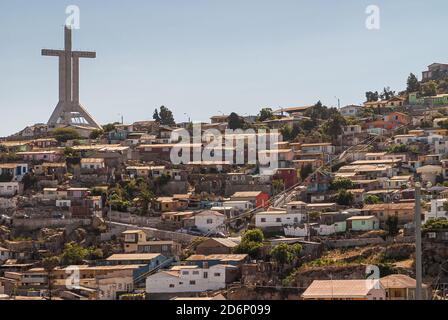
(103, 213)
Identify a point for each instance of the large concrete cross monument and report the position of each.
(69, 112)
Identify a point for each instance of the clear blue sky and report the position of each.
(201, 57)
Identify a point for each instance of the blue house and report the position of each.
(203, 261)
(146, 261)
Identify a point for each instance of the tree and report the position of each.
(73, 254)
(251, 243)
(146, 197)
(306, 171)
(412, 84)
(265, 114)
(429, 88)
(320, 112)
(333, 127)
(307, 125)
(156, 116)
(95, 134)
(255, 235)
(344, 198)
(392, 225)
(109, 127)
(398, 148)
(387, 94)
(445, 206)
(95, 254)
(6, 177)
(372, 96)
(371, 199)
(29, 181)
(166, 117)
(65, 134)
(285, 254)
(235, 121)
(342, 183)
(435, 224)
(282, 254)
(367, 112)
(49, 264)
(289, 132)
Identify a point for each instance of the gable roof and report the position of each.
(246, 194)
(222, 241)
(339, 289)
(133, 256)
(219, 257)
(389, 206)
(401, 281)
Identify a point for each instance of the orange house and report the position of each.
(390, 122)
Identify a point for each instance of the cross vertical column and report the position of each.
(75, 79)
(68, 63)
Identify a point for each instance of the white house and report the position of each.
(269, 219)
(109, 286)
(239, 205)
(437, 210)
(326, 148)
(92, 163)
(209, 221)
(189, 279)
(350, 110)
(8, 189)
(405, 138)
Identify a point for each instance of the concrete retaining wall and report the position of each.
(118, 228)
(346, 243)
(34, 224)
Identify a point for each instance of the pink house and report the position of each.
(47, 156)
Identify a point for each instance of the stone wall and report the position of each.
(128, 218)
(35, 224)
(347, 243)
(118, 228)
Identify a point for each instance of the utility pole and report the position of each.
(418, 242)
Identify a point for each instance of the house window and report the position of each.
(192, 282)
(185, 273)
(209, 221)
(205, 275)
(217, 274)
(263, 220)
(195, 272)
(171, 285)
(278, 219)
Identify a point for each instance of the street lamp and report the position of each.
(339, 102)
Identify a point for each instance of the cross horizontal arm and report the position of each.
(84, 54)
(52, 53)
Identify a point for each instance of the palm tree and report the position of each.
(49, 264)
(146, 197)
